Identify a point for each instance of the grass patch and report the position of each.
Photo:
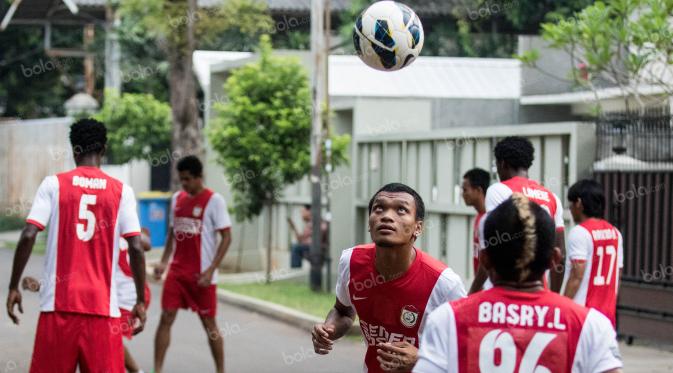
(290, 294)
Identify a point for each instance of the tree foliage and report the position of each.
(262, 133)
(139, 126)
(622, 43)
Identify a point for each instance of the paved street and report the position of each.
(253, 343)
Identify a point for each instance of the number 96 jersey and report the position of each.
(509, 331)
(87, 212)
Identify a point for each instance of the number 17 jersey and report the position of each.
(87, 212)
(500, 330)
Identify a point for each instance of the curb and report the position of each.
(275, 311)
(271, 310)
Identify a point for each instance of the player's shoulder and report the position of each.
(579, 231)
(443, 313)
(218, 197)
(499, 187)
(570, 309)
(359, 254)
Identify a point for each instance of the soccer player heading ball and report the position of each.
(518, 325)
(391, 285)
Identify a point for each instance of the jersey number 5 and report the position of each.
(503, 341)
(85, 231)
(599, 279)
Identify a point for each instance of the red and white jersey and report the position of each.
(196, 221)
(87, 212)
(395, 310)
(126, 286)
(600, 245)
(501, 330)
(501, 191)
(476, 246)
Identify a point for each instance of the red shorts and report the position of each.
(65, 340)
(180, 292)
(128, 321)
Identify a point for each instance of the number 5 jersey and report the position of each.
(87, 212)
(502, 330)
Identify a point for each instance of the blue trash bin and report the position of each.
(154, 208)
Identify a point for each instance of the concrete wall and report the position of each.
(553, 68)
(378, 116)
(448, 113)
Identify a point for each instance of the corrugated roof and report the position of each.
(441, 77)
(434, 77)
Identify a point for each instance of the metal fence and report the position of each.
(646, 136)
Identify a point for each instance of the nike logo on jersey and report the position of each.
(358, 298)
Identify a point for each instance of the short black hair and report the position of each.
(401, 188)
(478, 178)
(519, 238)
(516, 151)
(87, 136)
(192, 164)
(592, 196)
(307, 207)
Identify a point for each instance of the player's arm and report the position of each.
(575, 278)
(136, 253)
(338, 321)
(479, 279)
(206, 277)
(37, 219)
(23, 250)
(160, 268)
(556, 274)
(558, 271)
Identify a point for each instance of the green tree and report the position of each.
(139, 126)
(30, 81)
(622, 43)
(262, 133)
(179, 26)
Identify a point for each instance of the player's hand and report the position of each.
(322, 341)
(206, 278)
(159, 270)
(30, 284)
(139, 313)
(397, 356)
(14, 298)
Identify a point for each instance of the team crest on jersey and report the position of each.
(409, 316)
(197, 211)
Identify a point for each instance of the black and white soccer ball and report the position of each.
(388, 36)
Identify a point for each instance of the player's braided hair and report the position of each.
(516, 151)
(519, 238)
(527, 219)
(87, 136)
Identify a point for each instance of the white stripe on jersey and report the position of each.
(449, 287)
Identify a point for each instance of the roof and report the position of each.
(204, 59)
(568, 98)
(427, 77)
(440, 77)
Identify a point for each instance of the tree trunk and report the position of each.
(187, 136)
(269, 237)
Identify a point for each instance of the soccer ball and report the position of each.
(388, 36)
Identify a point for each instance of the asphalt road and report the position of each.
(253, 343)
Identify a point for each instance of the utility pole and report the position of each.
(319, 59)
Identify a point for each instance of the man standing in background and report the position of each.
(475, 184)
(198, 216)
